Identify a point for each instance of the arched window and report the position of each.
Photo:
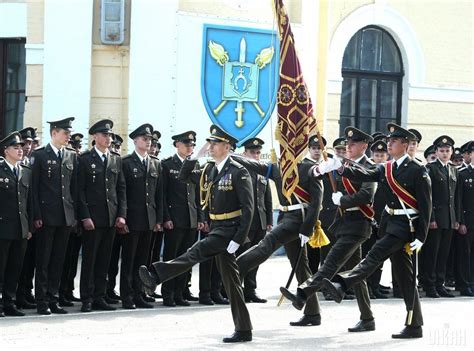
(372, 72)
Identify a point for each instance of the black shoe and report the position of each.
(219, 299)
(54, 307)
(298, 300)
(25, 305)
(334, 289)
(72, 298)
(206, 300)
(239, 336)
(253, 297)
(363, 326)
(168, 302)
(307, 320)
(43, 309)
(189, 296)
(110, 301)
(383, 287)
(443, 292)
(127, 304)
(149, 279)
(349, 297)
(147, 298)
(141, 303)
(378, 294)
(29, 297)
(431, 292)
(64, 302)
(86, 307)
(156, 296)
(327, 297)
(112, 294)
(409, 332)
(10, 310)
(181, 302)
(102, 305)
(466, 292)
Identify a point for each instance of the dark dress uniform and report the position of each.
(102, 198)
(16, 213)
(290, 224)
(445, 214)
(179, 206)
(465, 242)
(395, 229)
(54, 198)
(144, 210)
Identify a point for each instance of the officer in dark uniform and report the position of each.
(143, 176)
(351, 227)
(465, 234)
(430, 154)
(466, 154)
(410, 179)
(155, 143)
(66, 286)
(444, 218)
(226, 189)
(296, 223)
(102, 209)
(456, 159)
(339, 146)
(16, 212)
(24, 295)
(181, 215)
(117, 142)
(414, 144)
(54, 169)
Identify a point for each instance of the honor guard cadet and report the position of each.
(466, 154)
(182, 217)
(143, 179)
(444, 218)
(226, 191)
(457, 159)
(465, 235)
(66, 286)
(296, 223)
(262, 219)
(54, 169)
(117, 142)
(414, 144)
(155, 143)
(407, 189)
(339, 146)
(102, 209)
(430, 154)
(351, 227)
(27, 135)
(15, 219)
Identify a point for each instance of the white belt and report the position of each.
(357, 208)
(400, 212)
(293, 207)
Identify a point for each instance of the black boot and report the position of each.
(307, 320)
(298, 300)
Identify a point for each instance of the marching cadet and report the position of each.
(465, 235)
(15, 219)
(24, 294)
(117, 142)
(456, 159)
(444, 218)
(54, 169)
(102, 209)
(296, 223)
(414, 144)
(143, 176)
(181, 215)
(36, 140)
(66, 286)
(155, 143)
(466, 154)
(351, 227)
(226, 190)
(407, 189)
(339, 146)
(262, 219)
(430, 154)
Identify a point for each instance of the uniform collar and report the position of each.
(359, 159)
(10, 165)
(442, 163)
(221, 164)
(401, 160)
(179, 157)
(140, 157)
(55, 149)
(100, 153)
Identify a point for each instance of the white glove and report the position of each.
(232, 247)
(329, 165)
(336, 198)
(416, 245)
(304, 239)
(202, 152)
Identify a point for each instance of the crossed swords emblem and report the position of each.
(241, 85)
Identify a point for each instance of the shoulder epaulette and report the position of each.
(115, 153)
(70, 148)
(417, 161)
(153, 156)
(25, 166)
(126, 156)
(236, 164)
(39, 148)
(167, 159)
(87, 152)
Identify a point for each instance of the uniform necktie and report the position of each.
(60, 155)
(15, 171)
(104, 158)
(214, 173)
(144, 163)
(395, 166)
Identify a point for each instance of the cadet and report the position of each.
(102, 208)
(54, 169)
(15, 219)
(143, 179)
(430, 154)
(465, 236)
(351, 227)
(296, 223)
(414, 144)
(466, 154)
(27, 135)
(181, 216)
(444, 218)
(226, 189)
(262, 218)
(407, 189)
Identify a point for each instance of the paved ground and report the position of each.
(448, 325)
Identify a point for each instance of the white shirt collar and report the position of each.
(140, 157)
(10, 165)
(181, 159)
(55, 149)
(401, 160)
(442, 163)
(100, 153)
(221, 164)
(360, 158)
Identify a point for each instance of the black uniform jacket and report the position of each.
(466, 197)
